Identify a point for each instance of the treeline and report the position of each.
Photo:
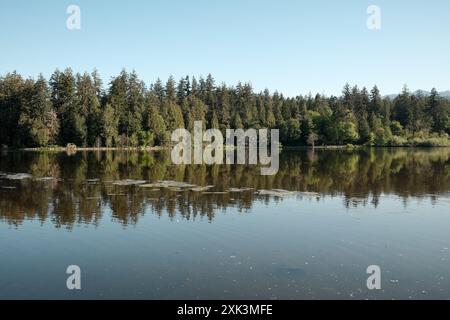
(77, 109)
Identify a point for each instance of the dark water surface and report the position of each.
(337, 213)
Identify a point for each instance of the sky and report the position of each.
(292, 46)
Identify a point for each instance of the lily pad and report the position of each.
(168, 184)
(276, 193)
(240, 189)
(45, 179)
(200, 189)
(129, 182)
(215, 192)
(18, 176)
(308, 194)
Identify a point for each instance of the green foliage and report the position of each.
(109, 125)
(146, 138)
(75, 108)
(347, 132)
(290, 132)
(397, 128)
(157, 126)
(37, 120)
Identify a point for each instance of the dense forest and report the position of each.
(78, 109)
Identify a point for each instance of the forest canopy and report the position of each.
(78, 109)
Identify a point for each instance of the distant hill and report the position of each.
(443, 94)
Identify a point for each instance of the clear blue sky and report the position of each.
(292, 46)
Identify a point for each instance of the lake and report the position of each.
(140, 227)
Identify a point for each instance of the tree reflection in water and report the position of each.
(79, 188)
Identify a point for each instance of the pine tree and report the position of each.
(197, 112)
(109, 123)
(68, 108)
(98, 84)
(439, 113)
(170, 92)
(270, 117)
(156, 125)
(363, 114)
(276, 106)
(158, 89)
(174, 116)
(135, 108)
(224, 106)
(403, 110)
(37, 118)
(117, 98)
(214, 121)
(88, 98)
(11, 87)
(237, 121)
(76, 109)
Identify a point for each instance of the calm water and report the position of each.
(346, 210)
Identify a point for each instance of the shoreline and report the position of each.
(160, 148)
(60, 149)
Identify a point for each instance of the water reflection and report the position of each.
(80, 188)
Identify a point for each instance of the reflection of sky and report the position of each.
(292, 249)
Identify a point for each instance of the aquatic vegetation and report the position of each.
(168, 184)
(45, 179)
(200, 189)
(18, 176)
(276, 193)
(240, 189)
(129, 182)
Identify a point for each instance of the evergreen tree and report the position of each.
(270, 117)
(11, 90)
(170, 93)
(110, 124)
(37, 118)
(68, 108)
(134, 109)
(158, 89)
(76, 109)
(197, 112)
(88, 98)
(174, 116)
(224, 107)
(439, 112)
(117, 98)
(156, 126)
(403, 110)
